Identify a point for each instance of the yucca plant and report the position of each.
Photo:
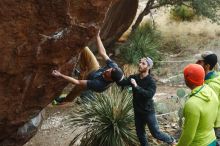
(107, 120)
(145, 41)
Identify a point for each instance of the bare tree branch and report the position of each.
(145, 12)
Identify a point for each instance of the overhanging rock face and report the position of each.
(118, 19)
(38, 36)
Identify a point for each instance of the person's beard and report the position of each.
(143, 70)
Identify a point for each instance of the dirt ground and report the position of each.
(55, 132)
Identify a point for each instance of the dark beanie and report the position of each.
(116, 74)
(211, 60)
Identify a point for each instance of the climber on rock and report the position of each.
(92, 76)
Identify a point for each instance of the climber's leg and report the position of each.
(87, 63)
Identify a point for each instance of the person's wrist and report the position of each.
(136, 86)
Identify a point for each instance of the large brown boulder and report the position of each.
(118, 19)
(38, 36)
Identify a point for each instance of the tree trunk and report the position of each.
(145, 12)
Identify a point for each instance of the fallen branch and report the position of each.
(175, 112)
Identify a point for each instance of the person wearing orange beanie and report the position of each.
(198, 129)
(194, 74)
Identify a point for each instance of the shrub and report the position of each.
(172, 45)
(182, 13)
(182, 97)
(107, 120)
(143, 42)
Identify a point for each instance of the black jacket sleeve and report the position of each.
(125, 82)
(147, 92)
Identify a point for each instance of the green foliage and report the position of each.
(143, 42)
(181, 93)
(161, 2)
(108, 120)
(162, 107)
(182, 13)
(207, 8)
(182, 96)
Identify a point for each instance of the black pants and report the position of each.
(151, 121)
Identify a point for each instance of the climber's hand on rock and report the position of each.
(56, 73)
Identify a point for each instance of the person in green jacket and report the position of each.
(200, 110)
(209, 61)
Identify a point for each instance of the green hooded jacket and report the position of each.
(200, 112)
(214, 82)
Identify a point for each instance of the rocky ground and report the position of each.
(55, 132)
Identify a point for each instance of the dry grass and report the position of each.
(130, 69)
(178, 29)
(184, 39)
(195, 35)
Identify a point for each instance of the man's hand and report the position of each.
(56, 73)
(133, 82)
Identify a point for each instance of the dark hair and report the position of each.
(149, 71)
(211, 60)
(116, 74)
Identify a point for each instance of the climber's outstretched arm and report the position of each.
(82, 83)
(101, 48)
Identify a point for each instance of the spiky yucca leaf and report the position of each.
(145, 41)
(106, 121)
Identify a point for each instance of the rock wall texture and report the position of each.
(118, 19)
(37, 36)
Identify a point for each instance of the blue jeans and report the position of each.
(150, 119)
